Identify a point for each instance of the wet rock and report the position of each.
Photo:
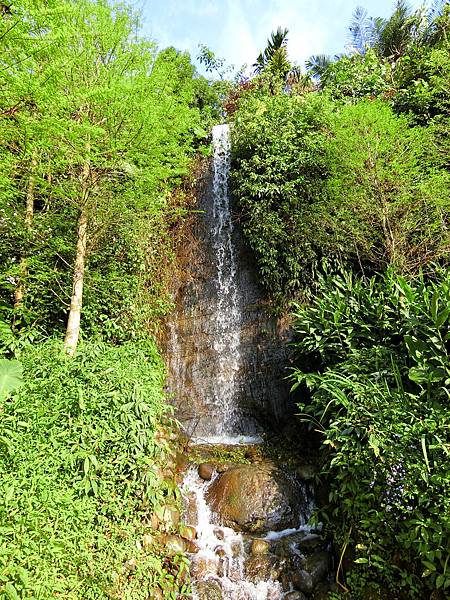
(174, 544)
(202, 567)
(209, 590)
(170, 517)
(310, 542)
(191, 547)
(314, 569)
(306, 472)
(259, 547)
(205, 471)
(219, 533)
(220, 551)
(255, 498)
(222, 467)
(295, 596)
(262, 568)
(188, 532)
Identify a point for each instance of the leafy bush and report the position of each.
(379, 398)
(79, 473)
(356, 184)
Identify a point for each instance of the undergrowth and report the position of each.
(78, 475)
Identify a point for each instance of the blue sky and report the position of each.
(238, 29)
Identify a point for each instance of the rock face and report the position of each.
(194, 345)
(255, 498)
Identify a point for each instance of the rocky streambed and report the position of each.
(249, 508)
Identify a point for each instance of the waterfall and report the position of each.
(228, 310)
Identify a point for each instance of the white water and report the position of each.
(228, 310)
(221, 552)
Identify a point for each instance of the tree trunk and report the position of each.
(29, 214)
(73, 323)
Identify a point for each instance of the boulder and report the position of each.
(255, 498)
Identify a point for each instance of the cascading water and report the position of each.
(228, 313)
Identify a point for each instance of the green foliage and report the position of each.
(10, 376)
(388, 189)
(379, 398)
(353, 183)
(80, 92)
(78, 473)
(280, 164)
(356, 76)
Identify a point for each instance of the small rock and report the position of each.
(220, 551)
(130, 565)
(303, 582)
(174, 544)
(156, 594)
(219, 533)
(322, 591)
(314, 570)
(306, 472)
(154, 521)
(205, 471)
(170, 517)
(259, 546)
(310, 542)
(295, 596)
(191, 547)
(222, 467)
(188, 532)
(208, 590)
(203, 567)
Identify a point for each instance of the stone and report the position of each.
(313, 571)
(170, 517)
(174, 544)
(154, 521)
(205, 471)
(262, 567)
(156, 594)
(148, 540)
(202, 567)
(311, 542)
(295, 596)
(188, 532)
(306, 472)
(208, 590)
(191, 547)
(259, 546)
(322, 591)
(219, 533)
(130, 565)
(255, 498)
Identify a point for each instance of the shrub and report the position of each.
(379, 397)
(78, 464)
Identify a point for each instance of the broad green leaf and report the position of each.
(10, 376)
